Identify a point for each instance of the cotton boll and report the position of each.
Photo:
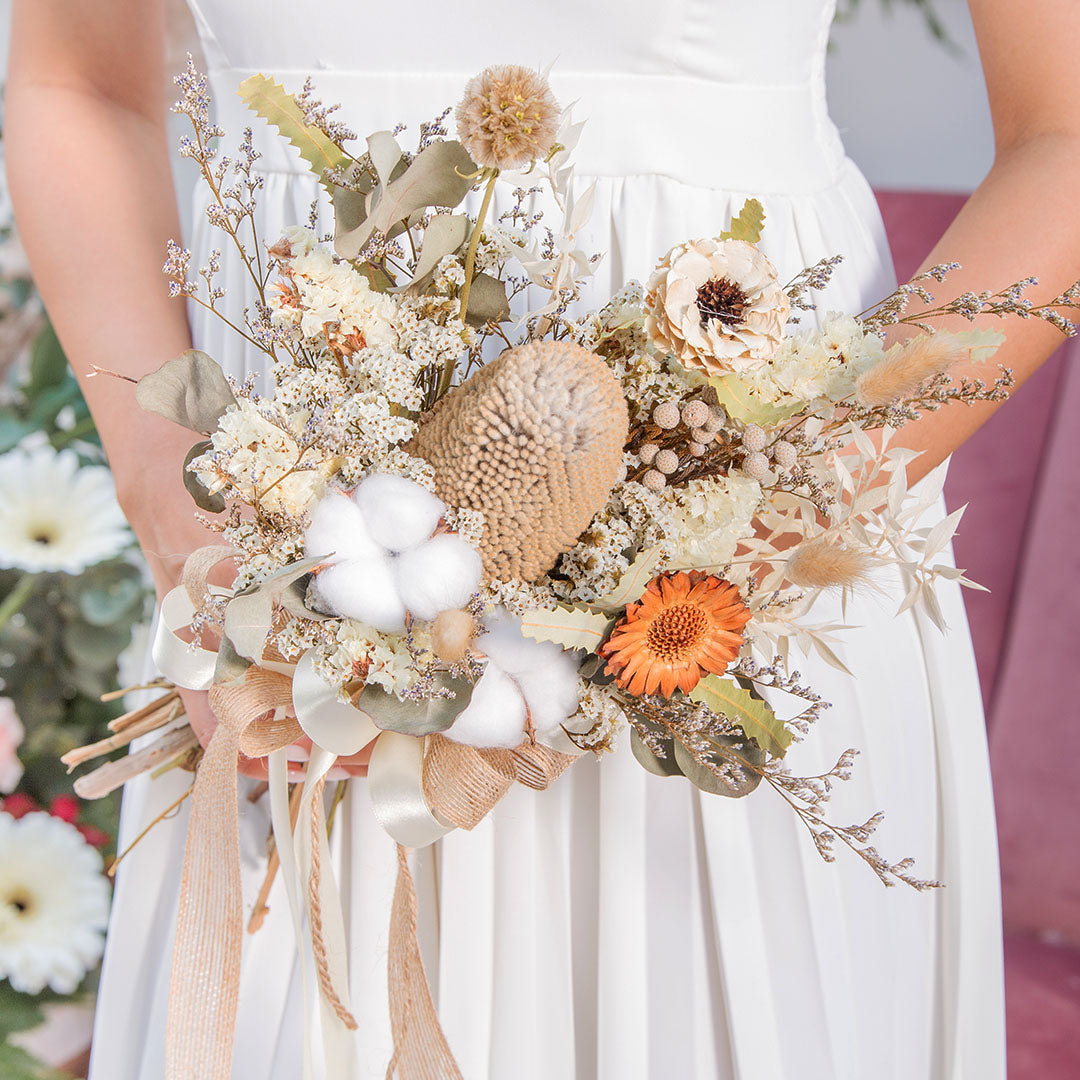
(364, 591)
(510, 649)
(438, 575)
(494, 717)
(400, 514)
(551, 691)
(337, 529)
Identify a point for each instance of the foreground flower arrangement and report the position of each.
(483, 545)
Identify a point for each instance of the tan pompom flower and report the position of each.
(508, 117)
(716, 306)
(534, 441)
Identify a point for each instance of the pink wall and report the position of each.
(1021, 538)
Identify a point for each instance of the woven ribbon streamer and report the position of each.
(205, 979)
(420, 1048)
(461, 784)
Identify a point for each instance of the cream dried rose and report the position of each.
(716, 306)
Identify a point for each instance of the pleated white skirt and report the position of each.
(622, 926)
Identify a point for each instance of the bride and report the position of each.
(618, 925)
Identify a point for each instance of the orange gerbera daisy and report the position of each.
(685, 625)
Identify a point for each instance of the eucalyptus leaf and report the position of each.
(666, 766)
(572, 628)
(249, 614)
(440, 175)
(390, 713)
(748, 225)
(247, 622)
(487, 301)
(230, 665)
(277, 106)
(350, 208)
(204, 500)
(385, 153)
(751, 713)
(443, 236)
(706, 780)
(190, 390)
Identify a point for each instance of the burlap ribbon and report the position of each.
(205, 979)
(460, 785)
(419, 791)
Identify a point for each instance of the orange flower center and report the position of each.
(676, 631)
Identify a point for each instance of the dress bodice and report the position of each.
(717, 93)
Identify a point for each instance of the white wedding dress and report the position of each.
(621, 926)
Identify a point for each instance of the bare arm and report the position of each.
(1023, 218)
(88, 167)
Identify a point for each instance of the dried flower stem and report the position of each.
(470, 266)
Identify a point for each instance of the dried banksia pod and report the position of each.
(822, 563)
(906, 367)
(533, 441)
(507, 117)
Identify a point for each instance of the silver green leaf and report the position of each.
(487, 301)
(417, 718)
(440, 175)
(204, 500)
(665, 766)
(443, 236)
(706, 780)
(190, 390)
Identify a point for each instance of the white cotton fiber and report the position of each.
(551, 691)
(337, 529)
(364, 591)
(399, 513)
(510, 649)
(439, 575)
(494, 717)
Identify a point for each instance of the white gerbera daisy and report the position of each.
(57, 514)
(54, 904)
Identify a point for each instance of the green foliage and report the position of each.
(752, 714)
(49, 390)
(278, 107)
(390, 713)
(190, 390)
(572, 628)
(748, 225)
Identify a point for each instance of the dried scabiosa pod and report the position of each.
(533, 441)
(508, 117)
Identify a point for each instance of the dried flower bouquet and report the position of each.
(486, 531)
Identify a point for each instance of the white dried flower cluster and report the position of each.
(385, 657)
(498, 243)
(266, 456)
(319, 296)
(263, 551)
(599, 717)
(430, 333)
(813, 365)
(711, 516)
(634, 519)
(449, 274)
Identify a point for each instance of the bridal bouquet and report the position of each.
(482, 532)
